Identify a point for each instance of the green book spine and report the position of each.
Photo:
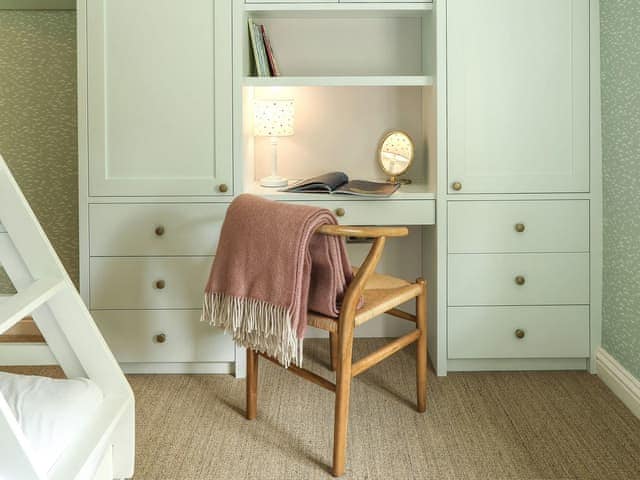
(264, 70)
(254, 46)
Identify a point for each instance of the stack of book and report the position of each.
(266, 65)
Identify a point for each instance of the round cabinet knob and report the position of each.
(520, 280)
(223, 188)
(160, 284)
(519, 333)
(520, 227)
(160, 338)
(159, 231)
(340, 212)
(457, 186)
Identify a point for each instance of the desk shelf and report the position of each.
(412, 205)
(405, 192)
(342, 81)
(262, 10)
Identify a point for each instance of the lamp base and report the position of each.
(273, 181)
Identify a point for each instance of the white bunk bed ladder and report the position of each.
(45, 291)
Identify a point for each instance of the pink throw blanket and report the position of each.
(269, 269)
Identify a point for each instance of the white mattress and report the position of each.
(51, 412)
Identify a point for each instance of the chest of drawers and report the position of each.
(148, 267)
(518, 279)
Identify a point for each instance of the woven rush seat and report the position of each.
(381, 293)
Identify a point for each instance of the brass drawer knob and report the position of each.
(160, 284)
(160, 338)
(520, 333)
(223, 188)
(520, 280)
(457, 186)
(159, 231)
(520, 227)
(340, 212)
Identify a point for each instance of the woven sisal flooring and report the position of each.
(478, 426)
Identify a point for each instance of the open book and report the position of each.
(338, 182)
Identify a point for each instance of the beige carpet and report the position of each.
(477, 426)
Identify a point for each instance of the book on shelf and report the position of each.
(273, 65)
(263, 55)
(259, 53)
(254, 48)
(338, 183)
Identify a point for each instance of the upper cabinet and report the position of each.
(518, 96)
(159, 97)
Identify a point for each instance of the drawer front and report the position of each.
(526, 226)
(381, 212)
(549, 279)
(132, 283)
(133, 336)
(494, 332)
(160, 229)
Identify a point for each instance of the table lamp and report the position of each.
(273, 118)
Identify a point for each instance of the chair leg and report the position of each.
(343, 391)
(333, 350)
(421, 347)
(252, 384)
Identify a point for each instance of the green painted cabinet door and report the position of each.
(518, 96)
(159, 97)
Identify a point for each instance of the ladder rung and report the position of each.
(18, 306)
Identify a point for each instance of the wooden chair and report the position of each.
(382, 294)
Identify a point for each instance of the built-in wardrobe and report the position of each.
(501, 98)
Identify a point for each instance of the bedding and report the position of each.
(51, 412)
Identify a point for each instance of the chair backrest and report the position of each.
(45, 291)
(379, 236)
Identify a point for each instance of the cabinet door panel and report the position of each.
(159, 90)
(518, 95)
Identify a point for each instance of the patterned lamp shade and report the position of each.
(273, 118)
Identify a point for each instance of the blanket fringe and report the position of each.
(255, 324)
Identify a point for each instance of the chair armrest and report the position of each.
(363, 232)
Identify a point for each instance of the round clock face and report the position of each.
(395, 153)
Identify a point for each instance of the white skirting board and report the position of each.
(37, 354)
(619, 380)
(208, 368)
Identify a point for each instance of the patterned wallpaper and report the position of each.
(620, 31)
(38, 120)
